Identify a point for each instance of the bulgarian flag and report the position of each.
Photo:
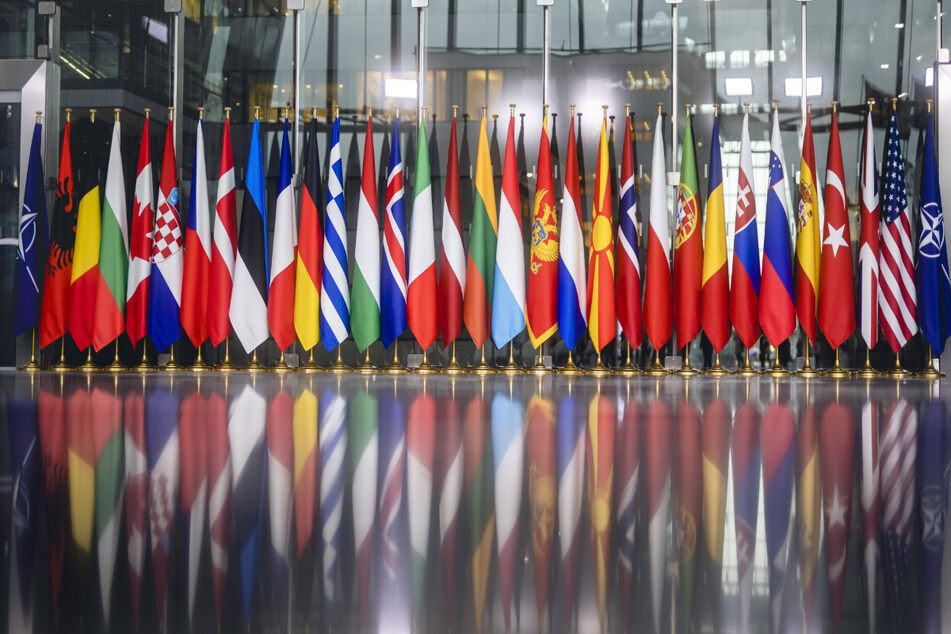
(421, 296)
(365, 298)
(113, 253)
(483, 235)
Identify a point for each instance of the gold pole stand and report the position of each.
(172, 365)
(599, 369)
(570, 369)
(777, 371)
(60, 366)
(511, 367)
(687, 369)
(897, 372)
(282, 367)
(424, 367)
(311, 366)
(717, 369)
(867, 371)
(32, 365)
(338, 367)
(657, 369)
(226, 365)
(453, 369)
(929, 372)
(254, 366)
(115, 366)
(837, 371)
(483, 369)
(747, 369)
(367, 367)
(199, 365)
(395, 367)
(807, 372)
(143, 364)
(89, 366)
(539, 368)
(629, 369)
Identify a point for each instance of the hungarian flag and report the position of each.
(393, 274)
(392, 449)
(688, 245)
(332, 439)
(192, 443)
(777, 312)
(225, 245)
(657, 291)
(542, 457)
(777, 434)
(868, 239)
(657, 458)
(279, 435)
(744, 285)
(479, 495)
(108, 440)
(85, 273)
(421, 295)
(305, 490)
(715, 449)
(572, 441)
(24, 489)
(508, 450)
(136, 494)
(280, 309)
(365, 300)
(452, 262)
(602, 421)
(248, 312)
(628, 288)
(364, 432)
(602, 319)
(572, 281)
(483, 235)
(449, 475)
(871, 506)
(62, 239)
(31, 246)
(807, 238)
(162, 453)
(836, 295)
(627, 463)
(715, 286)
(808, 511)
(51, 418)
(420, 459)
(334, 287)
(542, 304)
(165, 279)
(310, 249)
(140, 243)
(746, 467)
(218, 449)
(195, 287)
(688, 498)
(508, 299)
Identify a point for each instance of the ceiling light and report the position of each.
(738, 86)
(793, 86)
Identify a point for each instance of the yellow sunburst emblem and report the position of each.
(544, 233)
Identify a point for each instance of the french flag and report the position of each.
(280, 310)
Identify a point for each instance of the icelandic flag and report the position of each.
(393, 274)
(168, 258)
(31, 247)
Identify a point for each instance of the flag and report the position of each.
(162, 455)
(483, 235)
(224, 245)
(140, 243)
(657, 479)
(628, 288)
(807, 237)
(933, 511)
(334, 290)
(306, 455)
(542, 457)
(108, 441)
(31, 245)
(24, 462)
(542, 305)
(248, 312)
(392, 448)
(715, 285)
(931, 270)
(688, 497)
(572, 281)
(777, 312)
(868, 240)
(715, 456)
(421, 295)
(602, 421)
(194, 487)
(746, 465)
(627, 462)
(899, 452)
(452, 261)
(165, 279)
(54, 453)
(279, 435)
(657, 291)
(871, 506)
(808, 512)
(602, 319)
(572, 441)
(897, 297)
(59, 262)
(777, 433)
(136, 494)
(688, 245)
(246, 429)
(836, 454)
(744, 284)
(85, 273)
(332, 440)
(450, 473)
(393, 274)
(478, 483)
(508, 450)
(280, 309)
(310, 250)
(195, 286)
(82, 477)
(366, 258)
(420, 458)
(508, 299)
(836, 301)
(364, 423)
(220, 476)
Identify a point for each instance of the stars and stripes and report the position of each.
(899, 453)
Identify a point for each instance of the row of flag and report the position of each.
(206, 279)
(116, 459)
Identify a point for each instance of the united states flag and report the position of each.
(896, 291)
(898, 453)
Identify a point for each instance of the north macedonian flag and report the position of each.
(602, 321)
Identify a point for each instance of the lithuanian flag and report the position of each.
(480, 271)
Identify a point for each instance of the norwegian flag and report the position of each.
(868, 241)
(899, 455)
(897, 297)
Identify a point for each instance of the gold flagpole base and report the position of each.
(747, 369)
(254, 366)
(629, 369)
(367, 367)
(807, 372)
(897, 372)
(425, 368)
(115, 367)
(339, 367)
(89, 366)
(868, 372)
(539, 368)
(657, 369)
(837, 371)
(511, 368)
(199, 365)
(143, 365)
(483, 369)
(687, 369)
(599, 369)
(930, 372)
(570, 369)
(226, 366)
(311, 366)
(32, 366)
(282, 367)
(717, 369)
(777, 371)
(395, 367)
(59, 366)
(453, 369)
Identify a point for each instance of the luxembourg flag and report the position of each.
(198, 250)
(572, 289)
(508, 300)
(280, 309)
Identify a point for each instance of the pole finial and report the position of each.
(512, 108)
(201, 114)
(605, 108)
(746, 107)
(228, 112)
(257, 112)
(284, 112)
(627, 110)
(687, 107)
(397, 112)
(69, 110)
(835, 107)
(775, 105)
(716, 110)
(809, 107)
(484, 108)
(336, 111)
(572, 106)
(894, 103)
(455, 108)
(930, 103)
(92, 115)
(39, 115)
(313, 112)
(660, 107)
(369, 111)
(116, 110)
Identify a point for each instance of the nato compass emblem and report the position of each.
(932, 231)
(27, 240)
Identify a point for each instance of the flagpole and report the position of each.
(546, 47)
(803, 89)
(419, 5)
(674, 75)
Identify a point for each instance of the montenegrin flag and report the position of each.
(483, 235)
(365, 300)
(421, 295)
(542, 302)
(628, 288)
(85, 277)
(452, 264)
(225, 246)
(572, 282)
(197, 249)
(280, 310)
(508, 299)
(310, 250)
(602, 320)
(688, 246)
(807, 239)
(393, 269)
(715, 289)
(657, 301)
(140, 243)
(59, 265)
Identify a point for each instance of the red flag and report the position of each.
(52, 431)
(59, 267)
(219, 493)
(657, 478)
(542, 493)
(836, 296)
(224, 245)
(628, 283)
(452, 264)
(542, 304)
(688, 246)
(836, 457)
(688, 494)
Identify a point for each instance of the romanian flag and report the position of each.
(542, 305)
(807, 240)
(59, 266)
(602, 321)
(483, 235)
(310, 249)
(85, 275)
(602, 421)
(688, 246)
(715, 289)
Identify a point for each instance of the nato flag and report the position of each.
(31, 246)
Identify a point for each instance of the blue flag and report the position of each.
(393, 271)
(31, 246)
(25, 462)
(334, 286)
(931, 270)
(933, 511)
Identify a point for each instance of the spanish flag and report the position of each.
(807, 241)
(480, 271)
(602, 322)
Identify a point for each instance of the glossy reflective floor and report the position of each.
(317, 503)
